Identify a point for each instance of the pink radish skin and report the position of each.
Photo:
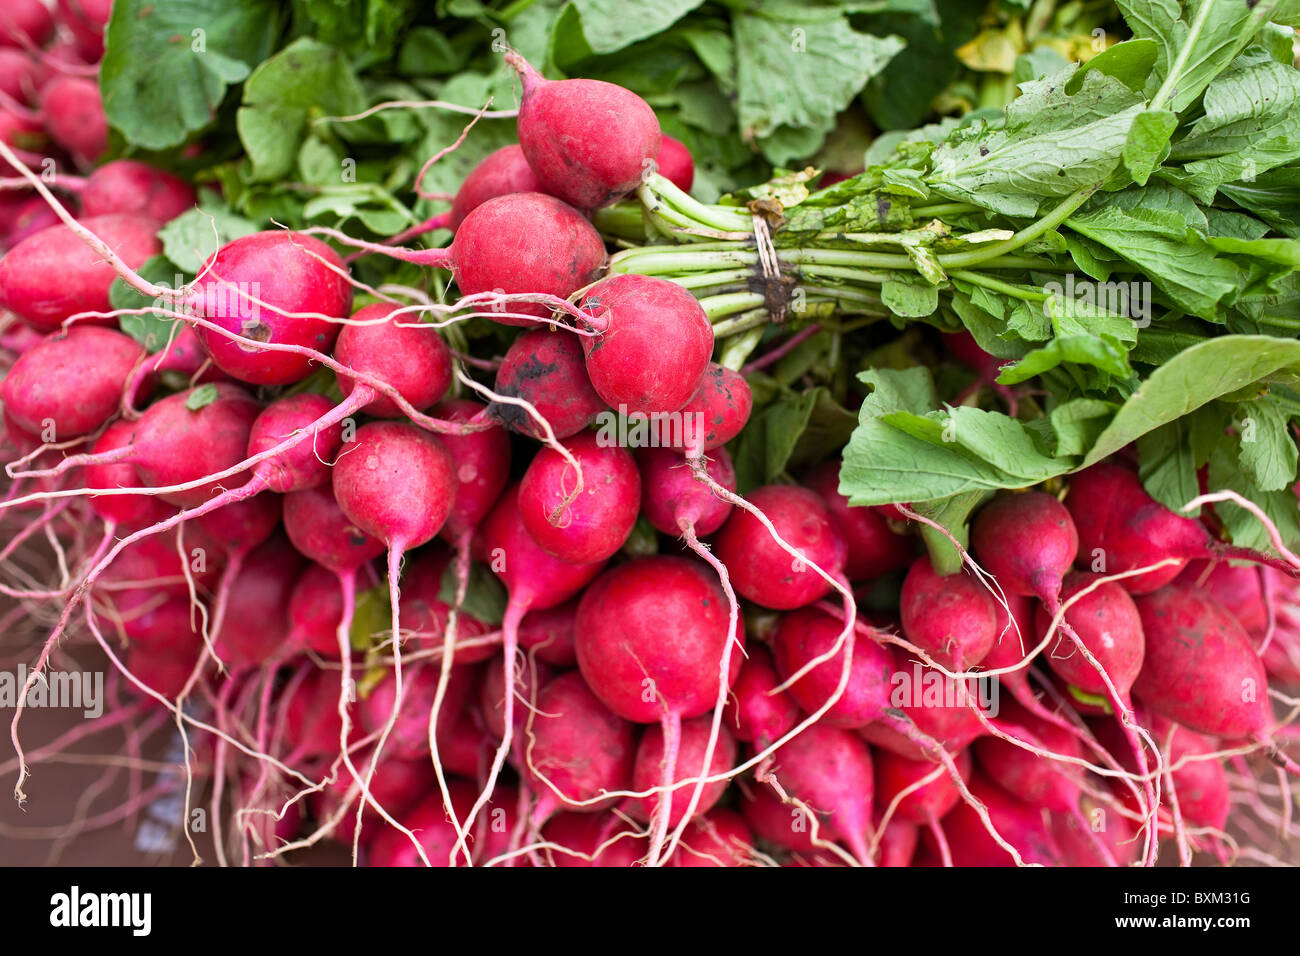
(1028, 542)
(593, 526)
(397, 785)
(621, 640)
(312, 722)
(952, 618)
(830, 770)
(20, 75)
(764, 572)
(500, 173)
(482, 461)
(648, 771)
(321, 531)
(1078, 848)
(588, 142)
(1119, 521)
(1020, 824)
(530, 675)
(128, 186)
(183, 355)
(127, 512)
(409, 739)
(576, 746)
(584, 833)
(69, 385)
(25, 21)
(642, 316)
(84, 278)
(428, 821)
(784, 825)
(893, 774)
(291, 274)
(1200, 669)
(898, 843)
(754, 714)
(720, 837)
(545, 368)
(673, 500)
(549, 634)
(522, 243)
(1108, 623)
(717, 411)
(74, 116)
(414, 361)
(87, 19)
(425, 615)
(305, 465)
(923, 695)
(676, 163)
(164, 673)
(808, 633)
(1027, 776)
(161, 627)
(30, 216)
(315, 610)
(257, 631)
(872, 548)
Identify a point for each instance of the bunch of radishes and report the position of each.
(624, 710)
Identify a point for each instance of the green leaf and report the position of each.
(1227, 472)
(898, 390)
(1148, 143)
(202, 397)
(1268, 452)
(1076, 349)
(909, 296)
(167, 66)
(369, 30)
(1078, 422)
(306, 80)
(427, 52)
(1192, 378)
(372, 615)
(1129, 62)
(194, 235)
(150, 330)
(611, 25)
(763, 449)
(485, 595)
(1167, 465)
(797, 67)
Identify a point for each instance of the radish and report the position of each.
(1107, 622)
(529, 675)
(1028, 542)
(951, 618)
(263, 583)
(548, 634)
(25, 22)
(717, 411)
(74, 116)
(593, 525)
(720, 837)
(30, 216)
(588, 142)
(87, 19)
(397, 785)
(780, 824)
(575, 749)
(1199, 668)
(183, 356)
(649, 770)
(128, 186)
(425, 615)
(69, 385)
(1020, 824)
(428, 820)
(413, 360)
(321, 531)
(278, 287)
(21, 76)
(756, 712)
(676, 163)
(809, 633)
(872, 547)
(760, 569)
(896, 843)
(409, 738)
(931, 704)
(119, 511)
(500, 173)
(830, 771)
(84, 278)
(1082, 845)
(315, 609)
(545, 368)
(924, 804)
(312, 722)
(673, 501)
(482, 461)
(592, 840)
(639, 316)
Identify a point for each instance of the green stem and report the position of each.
(717, 306)
(941, 209)
(997, 285)
(658, 190)
(1168, 87)
(755, 319)
(1062, 212)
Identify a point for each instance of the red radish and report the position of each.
(305, 465)
(500, 173)
(1107, 622)
(545, 368)
(782, 824)
(872, 547)
(1025, 775)
(1200, 668)
(397, 785)
(409, 738)
(413, 360)
(640, 316)
(128, 186)
(124, 511)
(830, 770)
(676, 163)
(720, 837)
(1095, 837)
(589, 142)
(21, 76)
(163, 672)
(425, 615)
(754, 714)
(482, 461)
(157, 622)
(1028, 542)
(464, 745)
(87, 20)
(522, 243)
(897, 843)
(1020, 824)
(575, 749)
(69, 385)
(808, 633)
(183, 355)
(549, 634)
(1016, 637)
(257, 632)
(315, 609)
(321, 531)
(952, 618)
(763, 571)
(74, 116)
(592, 839)
(276, 287)
(25, 22)
(594, 525)
(717, 411)
(434, 831)
(926, 805)
(931, 703)
(649, 769)
(84, 278)
(672, 500)
(31, 215)
(242, 525)
(530, 674)
(312, 723)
